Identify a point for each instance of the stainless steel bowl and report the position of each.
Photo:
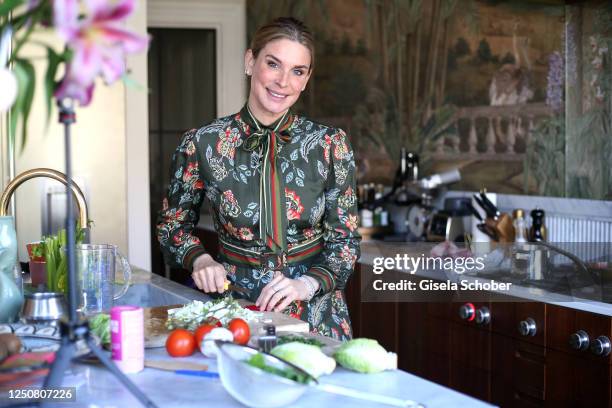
(43, 307)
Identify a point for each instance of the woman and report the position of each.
(282, 189)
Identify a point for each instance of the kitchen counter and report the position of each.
(96, 387)
(588, 298)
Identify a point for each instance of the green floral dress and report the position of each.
(313, 165)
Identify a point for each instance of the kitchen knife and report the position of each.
(489, 204)
(474, 211)
(235, 288)
(175, 365)
(487, 210)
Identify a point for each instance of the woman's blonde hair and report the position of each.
(283, 28)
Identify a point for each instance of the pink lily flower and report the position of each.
(98, 42)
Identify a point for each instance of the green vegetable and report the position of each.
(100, 326)
(195, 313)
(299, 339)
(308, 357)
(365, 356)
(258, 361)
(55, 256)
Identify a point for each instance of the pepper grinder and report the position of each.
(537, 232)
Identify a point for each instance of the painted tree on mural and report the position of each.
(412, 39)
(414, 73)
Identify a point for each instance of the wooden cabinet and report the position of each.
(521, 358)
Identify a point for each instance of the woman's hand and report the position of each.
(280, 292)
(208, 274)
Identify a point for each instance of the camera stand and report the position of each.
(75, 330)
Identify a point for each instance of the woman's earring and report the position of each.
(247, 72)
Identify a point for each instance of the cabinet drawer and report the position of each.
(470, 347)
(470, 380)
(518, 366)
(532, 315)
(458, 314)
(507, 319)
(577, 382)
(564, 322)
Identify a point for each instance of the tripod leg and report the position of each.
(119, 375)
(63, 358)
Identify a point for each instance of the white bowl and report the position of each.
(254, 387)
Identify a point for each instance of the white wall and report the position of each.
(110, 139)
(137, 152)
(98, 152)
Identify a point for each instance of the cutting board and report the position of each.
(156, 333)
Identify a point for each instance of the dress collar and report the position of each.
(258, 133)
(279, 125)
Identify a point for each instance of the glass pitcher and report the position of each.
(96, 265)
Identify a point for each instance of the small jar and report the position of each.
(268, 341)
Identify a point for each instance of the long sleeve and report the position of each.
(341, 238)
(181, 208)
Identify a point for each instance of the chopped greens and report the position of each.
(195, 313)
(100, 326)
(258, 361)
(299, 339)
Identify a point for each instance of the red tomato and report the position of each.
(240, 330)
(202, 331)
(180, 343)
(214, 321)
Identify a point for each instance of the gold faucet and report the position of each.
(49, 173)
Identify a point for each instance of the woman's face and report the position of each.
(278, 76)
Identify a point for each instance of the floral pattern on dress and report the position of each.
(229, 204)
(317, 167)
(294, 205)
(227, 143)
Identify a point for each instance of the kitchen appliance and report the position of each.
(408, 170)
(451, 223)
(421, 214)
(43, 307)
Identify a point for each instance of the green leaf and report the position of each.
(8, 5)
(54, 60)
(17, 108)
(27, 99)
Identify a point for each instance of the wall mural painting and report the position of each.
(516, 94)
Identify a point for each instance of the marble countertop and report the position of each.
(96, 387)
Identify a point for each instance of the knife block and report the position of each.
(503, 227)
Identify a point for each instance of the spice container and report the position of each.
(520, 231)
(268, 341)
(127, 338)
(537, 232)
